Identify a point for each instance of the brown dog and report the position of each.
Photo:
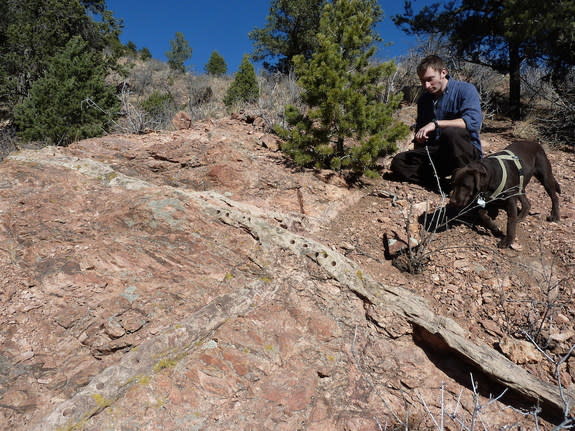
(498, 182)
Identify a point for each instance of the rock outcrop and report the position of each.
(181, 281)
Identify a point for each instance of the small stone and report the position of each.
(25, 356)
(268, 141)
(113, 328)
(16, 398)
(562, 336)
(520, 351)
(182, 120)
(347, 246)
(132, 321)
(516, 246)
(491, 327)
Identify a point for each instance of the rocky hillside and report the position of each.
(194, 280)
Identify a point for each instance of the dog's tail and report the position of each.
(557, 187)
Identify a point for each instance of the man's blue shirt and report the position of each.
(459, 100)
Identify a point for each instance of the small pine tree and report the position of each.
(216, 65)
(180, 52)
(72, 100)
(244, 87)
(145, 54)
(343, 90)
(158, 109)
(131, 48)
(157, 103)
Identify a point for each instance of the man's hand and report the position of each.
(422, 135)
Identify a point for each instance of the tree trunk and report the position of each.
(514, 81)
(339, 146)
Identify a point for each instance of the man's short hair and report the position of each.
(431, 61)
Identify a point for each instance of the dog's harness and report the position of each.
(508, 155)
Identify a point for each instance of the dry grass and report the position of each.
(201, 96)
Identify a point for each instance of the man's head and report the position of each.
(433, 74)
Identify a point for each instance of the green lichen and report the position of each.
(168, 362)
(161, 402)
(140, 379)
(109, 176)
(164, 363)
(101, 401)
(78, 426)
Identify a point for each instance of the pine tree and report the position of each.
(290, 30)
(180, 53)
(145, 54)
(32, 31)
(343, 90)
(131, 49)
(71, 101)
(244, 87)
(216, 65)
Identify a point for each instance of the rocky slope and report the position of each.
(195, 280)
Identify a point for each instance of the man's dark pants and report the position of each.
(451, 150)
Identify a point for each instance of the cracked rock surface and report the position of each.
(193, 280)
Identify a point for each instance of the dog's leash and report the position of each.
(501, 158)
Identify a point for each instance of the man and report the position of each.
(447, 128)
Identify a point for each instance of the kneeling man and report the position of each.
(447, 128)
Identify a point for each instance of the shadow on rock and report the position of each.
(478, 381)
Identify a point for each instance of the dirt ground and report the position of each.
(512, 298)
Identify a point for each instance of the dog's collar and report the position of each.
(508, 155)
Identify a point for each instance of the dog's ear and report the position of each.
(480, 176)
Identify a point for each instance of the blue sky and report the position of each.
(223, 26)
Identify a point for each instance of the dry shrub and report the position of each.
(526, 129)
(535, 316)
(276, 92)
(491, 85)
(7, 139)
(145, 81)
(550, 106)
(147, 76)
(205, 96)
(140, 114)
(201, 96)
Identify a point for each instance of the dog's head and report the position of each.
(467, 182)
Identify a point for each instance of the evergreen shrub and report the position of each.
(71, 101)
(244, 88)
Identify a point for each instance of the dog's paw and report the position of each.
(553, 218)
